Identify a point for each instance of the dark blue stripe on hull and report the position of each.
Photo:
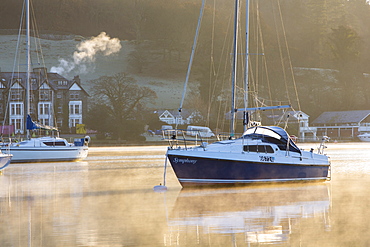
(45, 160)
(203, 171)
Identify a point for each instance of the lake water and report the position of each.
(108, 200)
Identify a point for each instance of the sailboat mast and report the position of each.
(246, 82)
(27, 101)
(234, 66)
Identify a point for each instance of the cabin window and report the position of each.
(58, 143)
(258, 148)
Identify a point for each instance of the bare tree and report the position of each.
(124, 100)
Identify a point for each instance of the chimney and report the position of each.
(42, 71)
(77, 79)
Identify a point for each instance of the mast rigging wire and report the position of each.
(191, 56)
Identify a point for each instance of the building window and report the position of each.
(75, 109)
(44, 108)
(44, 121)
(62, 83)
(74, 95)
(15, 95)
(44, 113)
(75, 113)
(59, 122)
(16, 109)
(45, 95)
(32, 110)
(18, 125)
(74, 121)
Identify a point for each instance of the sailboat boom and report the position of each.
(264, 108)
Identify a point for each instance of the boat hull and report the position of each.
(4, 160)
(364, 137)
(46, 154)
(200, 171)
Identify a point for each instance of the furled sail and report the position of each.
(31, 125)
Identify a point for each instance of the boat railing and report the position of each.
(222, 136)
(5, 141)
(322, 144)
(178, 138)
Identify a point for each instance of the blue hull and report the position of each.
(195, 171)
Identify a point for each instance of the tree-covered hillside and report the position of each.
(286, 37)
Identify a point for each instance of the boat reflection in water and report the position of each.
(258, 214)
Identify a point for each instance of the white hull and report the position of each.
(45, 149)
(4, 160)
(47, 154)
(364, 137)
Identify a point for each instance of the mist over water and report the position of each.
(108, 200)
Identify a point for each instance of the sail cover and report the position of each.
(33, 125)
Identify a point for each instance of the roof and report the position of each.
(41, 75)
(283, 115)
(342, 117)
(275, 115)
(175, 113)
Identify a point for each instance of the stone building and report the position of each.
(54, 100)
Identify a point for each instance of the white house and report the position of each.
(175, 117)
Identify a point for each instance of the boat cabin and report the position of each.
(270, 134)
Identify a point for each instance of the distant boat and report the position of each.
(365, 137)
(48, 148)
(262, 154)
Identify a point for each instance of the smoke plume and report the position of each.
(86, 54)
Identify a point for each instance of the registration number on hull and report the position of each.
(267, 159)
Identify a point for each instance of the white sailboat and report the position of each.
(365, 137)
(42, 149)
(261, 154)
(4, 160)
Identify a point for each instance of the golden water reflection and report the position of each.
(108, 200)
(254, 215)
